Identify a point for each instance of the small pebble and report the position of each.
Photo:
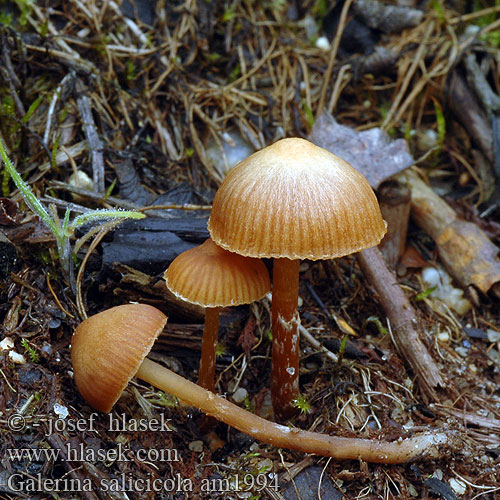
(493, 335)
(60, 410)
(494, 355)
(443, 337)
(323, 43)
(438, 474)
(17, 358)
(6, 344)
(458, 486)
(46, 349)
(240, 395)
(471, 30)
(196, 446)
(427, 139)
(54, 323)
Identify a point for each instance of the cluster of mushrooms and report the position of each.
(289, 201)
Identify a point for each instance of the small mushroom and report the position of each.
(110, 348)
(290, 201)
(213, 278)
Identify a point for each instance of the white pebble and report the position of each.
(323, 43)
(17, 358)
(6, 344)
(61, 411)
(196, 446)
(444, 291)
(493, 335)
(443, 337)
(240, 395)
(458, 486)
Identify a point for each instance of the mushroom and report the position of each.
(110, 348)
(213, 278)
(290, 201)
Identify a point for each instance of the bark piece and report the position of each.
(153, 244)
(138, 285)
(394, 199)
(74, 471)
(403, 319)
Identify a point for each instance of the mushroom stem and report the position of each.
(206, 377)
(286, 349)
(401, 451)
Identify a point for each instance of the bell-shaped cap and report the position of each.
(108, 348)
(210, 276)
(295, 200)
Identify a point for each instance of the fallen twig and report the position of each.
(94, 143)
(402, 318)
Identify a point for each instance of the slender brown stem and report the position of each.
(400, 451)
(403, 319)
(206, 377)
(286, 349)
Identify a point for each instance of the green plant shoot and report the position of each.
(302, 404)
(65, 230)
(30, 350)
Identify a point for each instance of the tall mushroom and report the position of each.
(290, 201)
(213, 278)
(110, 348)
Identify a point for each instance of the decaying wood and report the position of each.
(164, 240)
(138, 286)
(464, 105)
(402, 318)
(465, 250)
(180, 336)
(479, 82)
(394, 200)
(471, 418)
(372, 151)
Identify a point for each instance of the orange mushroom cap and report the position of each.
(108, 348)
(295, 200)
(210, 276)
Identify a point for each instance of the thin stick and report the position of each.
(304, 333)
(94, 143)
(402, 317)
(53, 104)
